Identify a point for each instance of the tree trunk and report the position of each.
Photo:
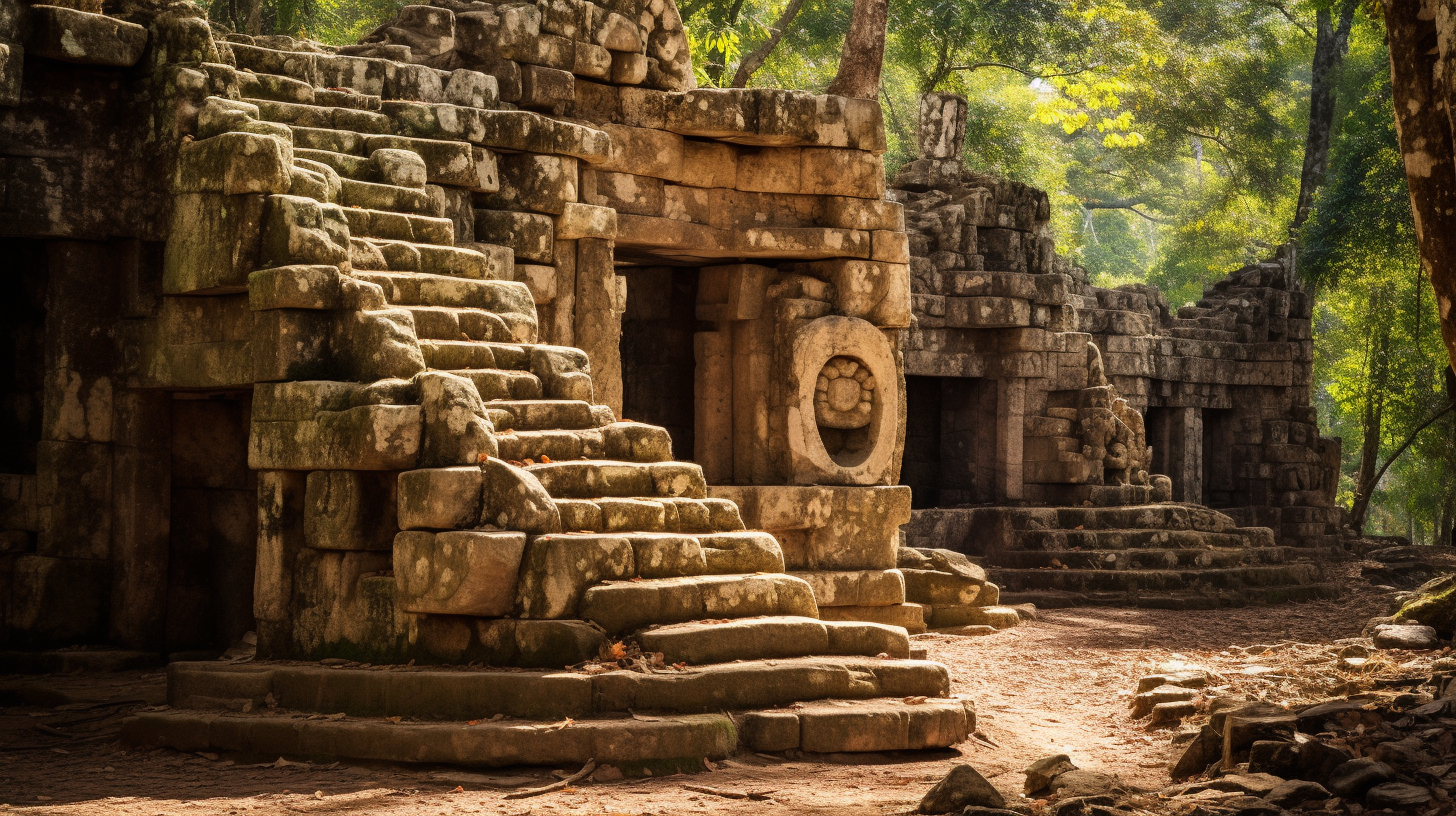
(1332, 41)
(253, 17)
(755, 60)
(864, 52)
(1424, 126)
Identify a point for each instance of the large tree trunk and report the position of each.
(1423, 120)
(864, 52)
(1332, 41)
(756, 58)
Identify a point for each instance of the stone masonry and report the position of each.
(1030, 388)
(336, 345)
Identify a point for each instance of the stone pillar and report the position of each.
(1186, 457)
(942, 127)
(281, 497)
(141, 530)
(597, 322)
(1010, 426)
(713, 405)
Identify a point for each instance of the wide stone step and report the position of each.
(1145, 580)
(546, 414)
(650, 515)
(622, 741)
(1179, 600)
(459, 693)
(621, 606)
(1134, 539)
(590, 479)
(626, 441)
(771, 637)
(1130, 517)
(1141, 559)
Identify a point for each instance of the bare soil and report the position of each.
(1060, 684)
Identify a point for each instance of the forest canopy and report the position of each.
(1178, 140)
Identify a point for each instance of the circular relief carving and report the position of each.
(844, 395)
(844, 422)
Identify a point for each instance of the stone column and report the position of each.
(1185, 459)
(1010, 426)
(597, 324)
(942, 127)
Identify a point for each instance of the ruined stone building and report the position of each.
(1029, 387)
(491, 342)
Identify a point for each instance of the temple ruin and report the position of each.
(492, 342)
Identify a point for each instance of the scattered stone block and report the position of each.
(963, 786)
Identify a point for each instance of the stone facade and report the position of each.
(1028, 386)
(337, 345)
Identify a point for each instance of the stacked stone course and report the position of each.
(357, 385)
(1096, 392)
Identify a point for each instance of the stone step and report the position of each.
(625, 441)
(440, 259)
(621, 606)
(545, 414)
(559, 569)
(385, 226)
(1141, 559)
(502, 384)
(275, 87)
(1147, 580)
(1127, 517)
(458, 693)
(838, 726)
(1121, 539)
(1182, 600)
(771, 637)
(321, 117)
(622, 741)
(649, 515)
(1200, 333)
(450, 323)
(328, 139)
(371, 195)
(591, 479)
(442, 162)
(509, 300)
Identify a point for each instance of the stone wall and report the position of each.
(1103, 389)
(390, 279)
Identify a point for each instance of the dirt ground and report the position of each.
(1061, 684)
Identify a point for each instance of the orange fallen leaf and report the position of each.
(545, 460)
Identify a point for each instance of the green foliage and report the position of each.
(335, 22)
(1378, 343)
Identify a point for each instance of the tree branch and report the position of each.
(1129, 204)
(751, 63)
(1288, 15)
(976, 66)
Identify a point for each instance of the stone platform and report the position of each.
(1175, 556)
(457, 715)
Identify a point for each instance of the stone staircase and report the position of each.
(1171, 556)
(537, 529)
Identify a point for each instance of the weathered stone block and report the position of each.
(369, 437)
(458, 572)
(350, 510)
(234, 164)
(77, 36)
(213, 243)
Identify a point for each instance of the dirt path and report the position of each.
(1058, 685)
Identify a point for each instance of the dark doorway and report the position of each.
(657, 350)
(950, 441)
(214, 522)
(1219, 443)
(22, 353)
